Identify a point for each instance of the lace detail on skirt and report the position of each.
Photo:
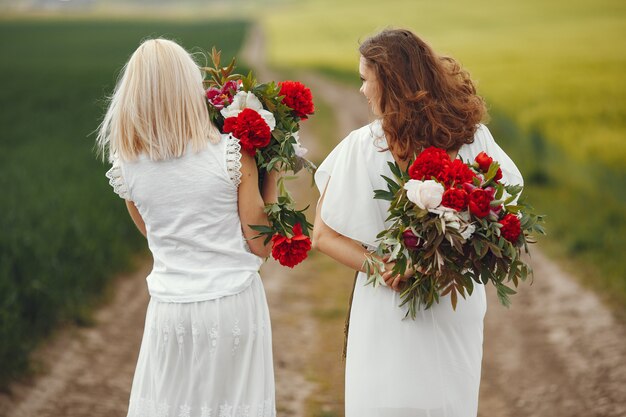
(233, 159)
(150, 408)
(236, 335)
(209, 358)
(117, 180)
(214, 334)
(166, 330)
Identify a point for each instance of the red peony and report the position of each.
(498, 175)
(457, 173)
(431, 162)
(479, 202)
(455, 198)
(290, 251)
(297, 97)
(410, 240)
(511, 227)
(484, 161)
(251, 130)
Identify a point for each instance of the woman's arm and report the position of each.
(252, 203)
(134, 214)
(347, 251)
(336, 245)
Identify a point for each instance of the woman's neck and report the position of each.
(453, 153)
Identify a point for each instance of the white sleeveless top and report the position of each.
(189, 206)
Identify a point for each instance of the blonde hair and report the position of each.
(158, 106)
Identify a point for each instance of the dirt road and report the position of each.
(558, 352)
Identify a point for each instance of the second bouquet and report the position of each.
(452, 225)
(265, 118)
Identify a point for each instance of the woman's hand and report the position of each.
(393, 280)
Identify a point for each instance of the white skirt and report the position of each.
(427, 367)
(206, 359)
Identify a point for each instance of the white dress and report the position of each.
(207, 345)
(396, 367)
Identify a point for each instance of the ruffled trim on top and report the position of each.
(233, 159)
(116, 179)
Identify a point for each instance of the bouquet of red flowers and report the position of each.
(452, 225)
(266, 120)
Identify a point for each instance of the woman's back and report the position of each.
(206, 346)
(189, 206)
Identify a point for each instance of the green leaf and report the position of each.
(514, 189)
(499, 192)
(453, 297)
(506, 290)
(383, 195)
(261, 228)
(484, 276)
(393, 186)
(395, 170)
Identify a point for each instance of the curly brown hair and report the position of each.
(425, 99)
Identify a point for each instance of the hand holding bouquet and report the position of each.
(265, 118)
(455, 224)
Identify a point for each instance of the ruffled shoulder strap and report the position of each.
(116, 179)
(233, 159)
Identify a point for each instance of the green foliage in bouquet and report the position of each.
(265, 118)
(281, 152)
(448, 250)
(283, 213)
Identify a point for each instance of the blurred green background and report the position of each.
(64, 234)
(552, 73)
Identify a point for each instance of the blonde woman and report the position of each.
(206, 348)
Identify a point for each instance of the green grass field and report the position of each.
(556, 66)
(63, 231)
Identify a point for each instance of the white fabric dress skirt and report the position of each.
(397, 367)
(400, 367)
(206, 359)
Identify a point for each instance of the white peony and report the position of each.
(297, 147)
(468, 232)
(425, 194)
(247, 100)
(452, 221)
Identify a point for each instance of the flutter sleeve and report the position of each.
(343, 179)
(116, 179)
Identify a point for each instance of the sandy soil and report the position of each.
(557, 352)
